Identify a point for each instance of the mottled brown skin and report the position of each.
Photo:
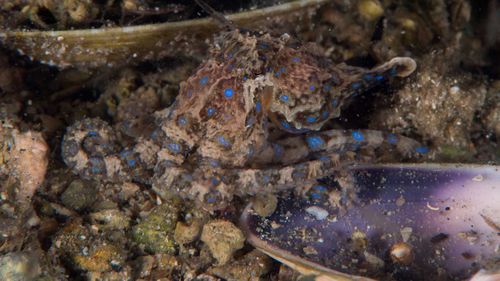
(216, 140)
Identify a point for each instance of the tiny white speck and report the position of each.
(454, 90)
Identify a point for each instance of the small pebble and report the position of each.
(317, 212)
(223, 238)
(401, 253)
(264, 204)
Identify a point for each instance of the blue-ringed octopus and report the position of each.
(247, 121)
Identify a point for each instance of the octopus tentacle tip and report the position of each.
(405, 65)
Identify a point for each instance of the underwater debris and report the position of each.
(24, 157)
(115, 46)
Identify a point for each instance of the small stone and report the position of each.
(309, 250)
(128, 190)
(370, 9)
(359, 240)
(250, 267)
(87, 250)
(110, 219)
(406, 233)
(374, 261)
(100, 258)
(401, 253)
(186, 233)
(317, 212)
(156, 231)
(26, 159)
(223, 238)
(264, 204)
(400, 201)
(79, 195)
(19, 266)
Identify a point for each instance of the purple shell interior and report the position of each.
(450, 214)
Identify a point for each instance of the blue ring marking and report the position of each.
(284, 98)
(210, 111)
(278, 150)
(357, 136)
(210, 199)
(92, 134)
(285, 124)
(325, 114)
(422, 149)
(154, 135)
(325, 158)
(230, 55)
(392, 138)
(213, 162)
(356, 85)
(334, 103)
(174, 147)
(315, 142)
(311, 119)
(296, 59)
(319, 188)
(282, 69)
(368, 77)
(393, 71)
(258, 107)
(379, 77)
(131, 162)
(311, 88)
(315, 196)
(245, 78)
(182, 121)
(95, 162)
(298, 175)
(327, 88)
(214, 181)
(125, 153)
(266, 179)
(204, 80)
(228, 92)
(263, 46)
(223, 141)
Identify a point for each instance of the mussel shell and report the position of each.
(450, 214)
(122, 45)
